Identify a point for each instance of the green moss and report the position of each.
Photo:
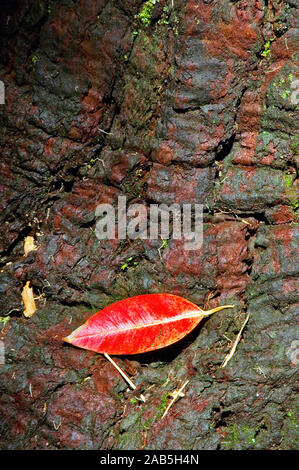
(145, 15)
(161, 408)
(133, 401)
(163, 244)
(267, 49)
(283, 85)
(232, 438)
(292, 195)
(294, 203)
(147, 423)
(295, 145)
(290, 430)
(3, 321)
(241, 437)
(288, 180)
(129, 262)
(250, 434)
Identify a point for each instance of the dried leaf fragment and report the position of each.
(28, 299)
(29, 245)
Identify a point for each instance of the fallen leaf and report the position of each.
(29, 245)
(139, 324)
(28, 299)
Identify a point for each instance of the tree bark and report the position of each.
(186, 102)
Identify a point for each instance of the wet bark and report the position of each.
(185, 102)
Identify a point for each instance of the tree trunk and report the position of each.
(186, 102)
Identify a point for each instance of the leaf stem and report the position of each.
(209, 312)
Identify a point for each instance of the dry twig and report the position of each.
(175, 397)
(235, 343)
(127, 379)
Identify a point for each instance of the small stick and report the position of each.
(129, 381)
(176, 395)
(104, 132)
(235, 343)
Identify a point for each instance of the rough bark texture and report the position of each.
(188, 101)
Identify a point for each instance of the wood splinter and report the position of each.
(127, 379)
(235, 343)
(176, 395)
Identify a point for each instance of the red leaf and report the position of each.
(139, 324)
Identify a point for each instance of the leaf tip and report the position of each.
(67, 339)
